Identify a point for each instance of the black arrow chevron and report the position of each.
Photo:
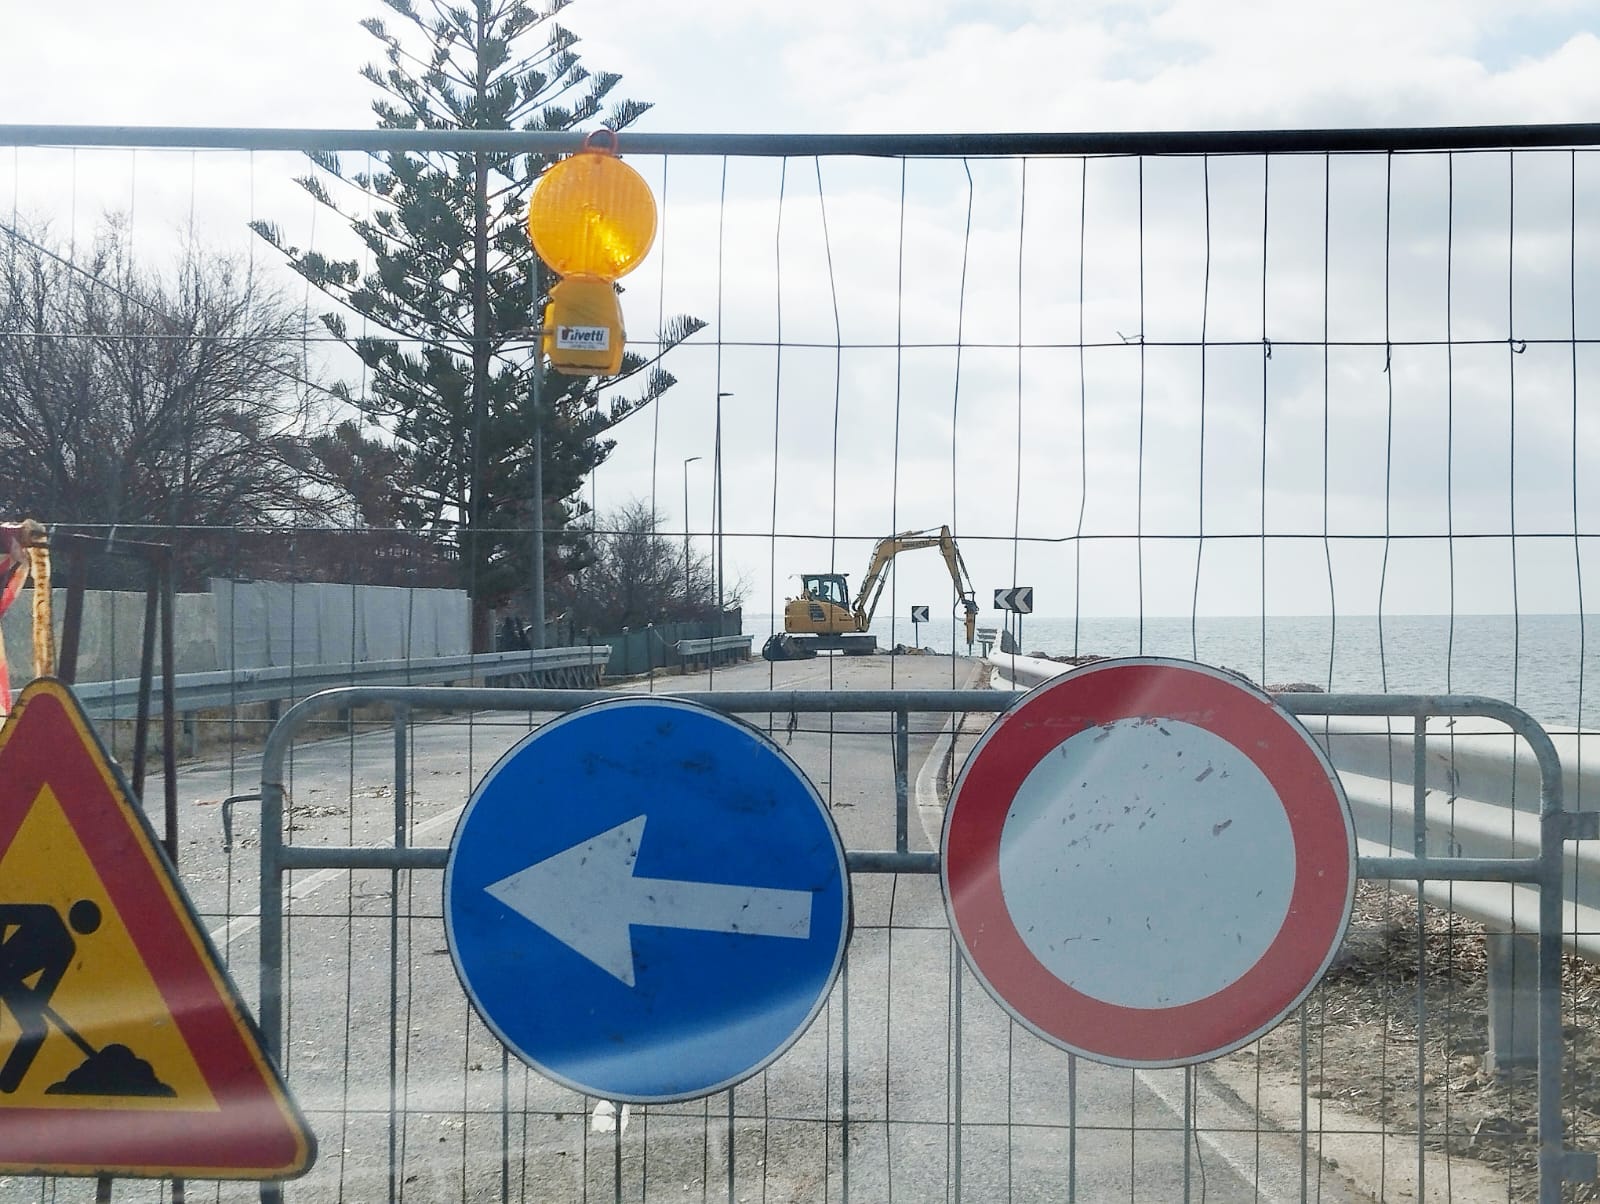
(1018, 598)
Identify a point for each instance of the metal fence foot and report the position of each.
(1513, 1001)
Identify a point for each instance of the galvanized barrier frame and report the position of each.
(1557, 1164)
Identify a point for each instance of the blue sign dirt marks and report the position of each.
(646, 900)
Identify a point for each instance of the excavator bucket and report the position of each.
(784, 647)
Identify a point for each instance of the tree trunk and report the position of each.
(481, 633)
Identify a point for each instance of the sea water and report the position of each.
(1530, 660)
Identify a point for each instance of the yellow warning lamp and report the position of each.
(592, 219)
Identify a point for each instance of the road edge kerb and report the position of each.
(1348, 1138)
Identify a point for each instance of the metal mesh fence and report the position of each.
(1310, 407)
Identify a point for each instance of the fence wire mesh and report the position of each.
(1309, 409)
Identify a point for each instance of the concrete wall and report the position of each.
(113, 626)
(252, 625)
(266, 623)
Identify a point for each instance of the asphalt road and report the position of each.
(911, 1084)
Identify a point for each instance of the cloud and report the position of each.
(1190, 64)
(1015, 433)
(188, 62)
(842, 302)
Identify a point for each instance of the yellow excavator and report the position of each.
(823, 618)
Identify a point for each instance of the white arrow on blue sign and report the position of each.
(646, 900)
(919, 614)
(1018, 598)
(589, 898)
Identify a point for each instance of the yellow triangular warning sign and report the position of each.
(124, 1047)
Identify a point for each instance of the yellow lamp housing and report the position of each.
(592, 215)
(583, 333)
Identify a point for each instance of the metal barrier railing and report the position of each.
(1542, 870)
(716, 643)
(223, 688)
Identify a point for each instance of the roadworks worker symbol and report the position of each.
(124, 1047)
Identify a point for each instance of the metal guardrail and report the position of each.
(716, 643)
(1479, 799)
(1462, 790)
(215, 690)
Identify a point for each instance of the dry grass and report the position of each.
(1364, 1048)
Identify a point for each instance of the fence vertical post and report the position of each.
(1513, 988)
(270, 910)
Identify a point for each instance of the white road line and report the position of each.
(930, 806)
(311, 883)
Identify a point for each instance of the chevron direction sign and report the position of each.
(1018, 598)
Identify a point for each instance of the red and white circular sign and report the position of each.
(1148, 862)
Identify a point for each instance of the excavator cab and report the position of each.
(823, 607)
(826, 587)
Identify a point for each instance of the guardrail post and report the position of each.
(1513, 1001)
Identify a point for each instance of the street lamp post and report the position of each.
(690, 460)
(536, 639)
(717, 515)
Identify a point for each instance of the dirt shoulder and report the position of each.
(1374, 1077)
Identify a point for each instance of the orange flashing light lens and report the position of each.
(592, 215)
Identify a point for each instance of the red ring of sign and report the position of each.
(1149, 687)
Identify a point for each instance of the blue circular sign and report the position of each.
(646, 900)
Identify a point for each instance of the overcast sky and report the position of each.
(899, 264)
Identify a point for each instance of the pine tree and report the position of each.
(448, 280)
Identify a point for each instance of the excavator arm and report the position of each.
(909, 541)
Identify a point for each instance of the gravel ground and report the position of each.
(1365, 1056)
